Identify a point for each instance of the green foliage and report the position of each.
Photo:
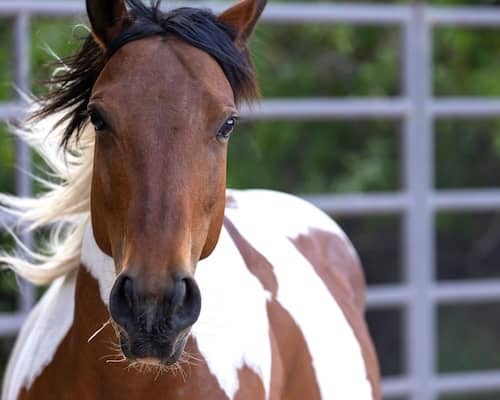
(311, 157)
(483, 396)
(468, 338)
(319, 60)
(7, 167)
(6, 59)
(52, 37)
(8, 283)
(468, 153)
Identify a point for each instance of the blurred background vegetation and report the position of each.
(307, 60)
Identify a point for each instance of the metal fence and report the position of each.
(419, 294)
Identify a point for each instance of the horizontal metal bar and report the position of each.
(297, 109)
(465, 107)
(396, 387)
(354, 204)
(7, 220)
(396, 202)
(442, 292)
(452, 383)
(468, 16)
(386, 203)
(467, 292)
(55, 8)
(470, 382)
(274, 12)
(345, 108)
(387, 296)
(327, 108)
(466, 200)
(10, 110)
(371, 14)
(11, 323)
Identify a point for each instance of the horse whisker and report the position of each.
(158, 373)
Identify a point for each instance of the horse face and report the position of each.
(163, 111)
(159, 182)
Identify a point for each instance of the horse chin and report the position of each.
(150, 361)
(154, 356)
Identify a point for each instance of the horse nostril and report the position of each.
(193, 298)
(121, 299)
(128, 292)
(187, 305)
(178, 297)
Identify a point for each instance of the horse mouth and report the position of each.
(153, 352)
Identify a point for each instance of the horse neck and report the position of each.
(93, 284)
(98, 264)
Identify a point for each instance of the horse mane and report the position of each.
(58, 130)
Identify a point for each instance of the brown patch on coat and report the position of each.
(337, 265)
(253, 388)
(292, 373)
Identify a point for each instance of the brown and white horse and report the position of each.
(164, 284)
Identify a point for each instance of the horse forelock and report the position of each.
(71, 88)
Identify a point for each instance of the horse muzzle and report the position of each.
(154, 326)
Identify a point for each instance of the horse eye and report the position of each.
(97, 121)
(227, 128)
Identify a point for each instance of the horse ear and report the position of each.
(107, 18)
(243, 17)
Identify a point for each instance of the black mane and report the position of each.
(71, 89)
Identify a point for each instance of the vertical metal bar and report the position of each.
(22, 77)
(409, 165)
(419, 219)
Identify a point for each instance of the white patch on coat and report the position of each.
(42, 333)
(291, 214)
(233, 328)
(266, 220)
(98, 264)
(294, 215)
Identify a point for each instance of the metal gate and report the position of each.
(420, 293)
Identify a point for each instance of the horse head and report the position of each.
(163, 108)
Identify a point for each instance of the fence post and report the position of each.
(22, 78)
(419, 220)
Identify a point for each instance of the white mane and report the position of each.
(64, 206)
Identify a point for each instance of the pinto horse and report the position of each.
(164, 284)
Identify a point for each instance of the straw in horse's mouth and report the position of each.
(109, 321)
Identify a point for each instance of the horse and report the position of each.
(163, 283)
